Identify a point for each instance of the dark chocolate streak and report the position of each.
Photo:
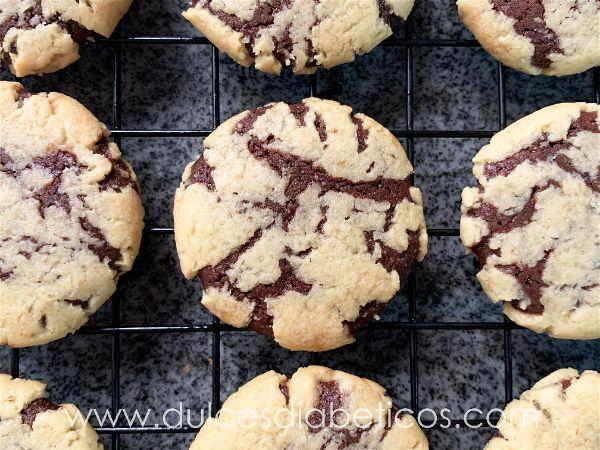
(260, 321)
(330, 399)
(35, 16)
(365, 314)
(5, 275)
(101, 248)
(283, 387)
(530, 279)
(321, 127)
(39, 405)
(283, 46)
(299, 111)
(246, 124)
(300, 175)
(22, 96)
(502, 223)
(83, 304)
(55, 163)
(530, 22)
(120, 176)
(362, 134)
(201, 173)
(5, 164)
(392, 259)
(311, 53)
(263, 17)
(384, 11)
(542, 149)
(323, 221)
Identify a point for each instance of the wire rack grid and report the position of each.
(407, 43)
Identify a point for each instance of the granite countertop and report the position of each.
(169, 87)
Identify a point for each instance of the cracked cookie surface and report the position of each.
(533, 220)
(43, 36)
(300, 222)
(30, 421)
(316, 408)
(301, 34)
(549, 37)
(71, 216)
(561, 411)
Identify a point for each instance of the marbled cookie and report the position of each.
(560, 412)
(317, 408)
(549, 37)
(29, 421)
(534, 220)
(71, 216)
(303, 34)
(300, 221)
(43, 36)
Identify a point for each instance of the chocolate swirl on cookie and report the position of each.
(337, 157)
(300, 174)
(530, 22)
(561, 165)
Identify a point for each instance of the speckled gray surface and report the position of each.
(169, 87)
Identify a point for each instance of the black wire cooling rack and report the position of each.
(413, 325)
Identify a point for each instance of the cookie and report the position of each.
(302, 34)
(539, 38)
(317, 408)
(300, 221)
(43, 36)
(71, 213)
(532, 221)
(561, 411)
(28, 420)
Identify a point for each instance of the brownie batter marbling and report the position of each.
(560, 411)
(549, 37)
(43, 36)
(300, 221)
(325, 409)
(533, 221)
(30, 421)
(71, 216)
(302, 34)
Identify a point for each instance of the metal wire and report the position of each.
(413, 325)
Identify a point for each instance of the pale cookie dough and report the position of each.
(43, 36)
(316, 409)
(71, 216)
(560, 412)
(303, 34)
(28, 421)
(547, 37)
(533, 221)
(300, 221)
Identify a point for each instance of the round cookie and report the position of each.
(71, 213)
(300, 221)
(561, 411)
(30, 421)
(550, 37)
(533, 220)
(43, 36)
(317, 408)
(303, 34)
